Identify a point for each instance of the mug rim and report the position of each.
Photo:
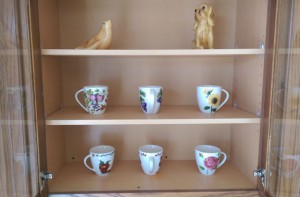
(198, 148)
(207, 86)
(156, 149)
(110, 149)
(95, 86)
(151, 86)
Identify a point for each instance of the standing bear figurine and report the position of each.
(203, 27)
(102, 40)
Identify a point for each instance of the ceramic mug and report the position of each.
(95, 98)
(208, 158)
(150, 158)
(102, 158)
(209, 97)
(150, 98)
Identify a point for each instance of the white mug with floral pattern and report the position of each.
(95, 98)
(150, 158)
(208, 159)
(209, 97)
(150, 98)
(102, 159)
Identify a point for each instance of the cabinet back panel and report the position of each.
(143, 24)
(248, 83)
(178, 76)
(251, 23)
(51, 68)
(245, 149)
(178, 141)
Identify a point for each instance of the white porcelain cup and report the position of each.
(209, 97)
(150, 98)
(102, 158)
(208, 159)
(95, 98)
(150, 158)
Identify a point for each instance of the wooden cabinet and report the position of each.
(256, 58)
(152, 46)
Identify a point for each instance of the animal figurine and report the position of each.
(102, 40)
(203, 27)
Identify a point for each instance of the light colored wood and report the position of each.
(178, 52)
(51, 69)
(128, 176)
(244, 149)
(168, 194)
(127, 115)
(178, 141)
(55, 145)
(251, 19)
(140, 24)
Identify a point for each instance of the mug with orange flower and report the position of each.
(209, 97)
(95, 98)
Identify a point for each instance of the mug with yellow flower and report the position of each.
(209, 97)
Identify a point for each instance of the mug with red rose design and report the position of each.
(208, 158)
(102, 159)
(209, 97)
(95, 98)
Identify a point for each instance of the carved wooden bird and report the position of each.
(102, 40)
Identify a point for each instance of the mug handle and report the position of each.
(76, 97)
(226, 99)
(151, 164)
(152, 99)
(86, 165)
(223, 161)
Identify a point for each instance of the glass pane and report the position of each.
(18, 147)
(283, 174)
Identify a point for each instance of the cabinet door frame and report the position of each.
(267, 90)
(38, 91)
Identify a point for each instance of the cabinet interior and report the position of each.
(142, 24)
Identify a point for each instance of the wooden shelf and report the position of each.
(127, 176)
(143, 52)
(133, 115)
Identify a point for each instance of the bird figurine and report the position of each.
(102, 40)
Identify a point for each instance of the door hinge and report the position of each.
(260, 173)
(44, 176)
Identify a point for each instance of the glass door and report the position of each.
(283, 165)
(19, 118)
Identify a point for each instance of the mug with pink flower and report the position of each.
(95, 98)
(208, 159)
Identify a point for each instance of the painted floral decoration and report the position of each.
(213, 100)
(142, 99)
(96, 100)
(211, 162)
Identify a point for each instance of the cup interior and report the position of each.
(150, 149)
(150, 87)
(96, 86)
(208, 86)
(102, 149)
(208, 149)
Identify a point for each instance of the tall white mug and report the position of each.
(150, 98)
(150, 158)
(209, 97)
